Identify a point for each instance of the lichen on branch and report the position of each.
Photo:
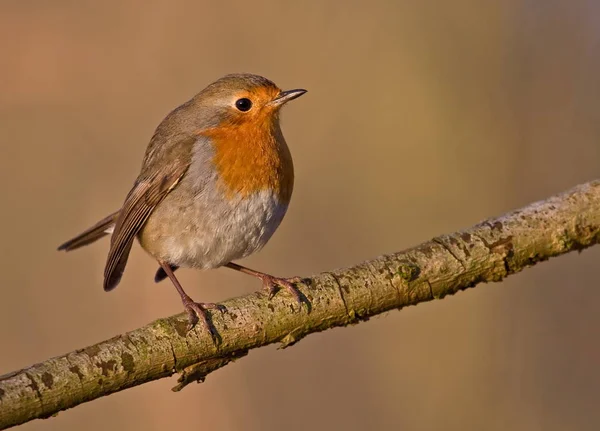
(489, 251)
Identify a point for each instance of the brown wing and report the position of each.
(149, 190)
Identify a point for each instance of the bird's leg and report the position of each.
(271, 283)
(194, 310)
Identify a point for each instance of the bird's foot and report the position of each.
(272, 284)
(198, 311)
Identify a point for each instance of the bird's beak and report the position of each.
(285, 96)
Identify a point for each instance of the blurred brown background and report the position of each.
(421, 118)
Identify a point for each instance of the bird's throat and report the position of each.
(251, 157)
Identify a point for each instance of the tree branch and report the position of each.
(489, 251)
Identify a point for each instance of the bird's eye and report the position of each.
(243, 104)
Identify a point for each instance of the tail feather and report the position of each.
(161, 274)
(102, 228)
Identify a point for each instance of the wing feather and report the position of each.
(146, 194)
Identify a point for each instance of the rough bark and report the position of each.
(489, 251)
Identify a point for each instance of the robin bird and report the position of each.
(215, 183)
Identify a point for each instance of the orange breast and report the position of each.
(252, 156)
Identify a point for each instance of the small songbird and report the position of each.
(215, 183)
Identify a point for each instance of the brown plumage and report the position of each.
(94, 233)
(215, 183)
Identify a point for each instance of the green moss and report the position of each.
(408, 272)
(127, 362)
(48, 380)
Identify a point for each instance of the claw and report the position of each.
(197, 311)
(272, 284)
(213, 306)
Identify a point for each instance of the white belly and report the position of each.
(208, 235)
